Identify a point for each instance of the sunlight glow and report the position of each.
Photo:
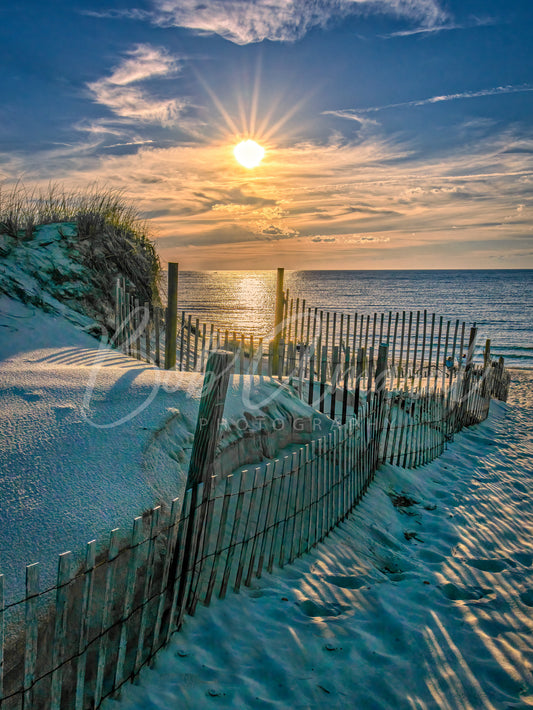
(249, 153)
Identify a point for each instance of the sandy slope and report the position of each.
(89, 438)
(424, 604)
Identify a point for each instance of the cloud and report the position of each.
(132, 14)
(370, 239)
(353, 114)
(244, 22)
(221, 199)
(323, 239)
(125, 99)
(200, 200)
(445, 27)
(272, 233)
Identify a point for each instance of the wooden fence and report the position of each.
(420, 343)
(418, 353)
(76, 643)
(329, 358)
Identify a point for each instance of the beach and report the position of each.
(421, 599)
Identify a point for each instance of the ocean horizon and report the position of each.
(498, 301)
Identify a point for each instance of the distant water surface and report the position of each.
(500, 302)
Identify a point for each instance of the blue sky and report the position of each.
(397, 132)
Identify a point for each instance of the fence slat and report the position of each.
(85, 623)
(129, 592)
(64, 573)
(31, 620)
(2, 635)
(176, 566)
(249, 526)
(148, 575)
(261, 523)
(106, 615)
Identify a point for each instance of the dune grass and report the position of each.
(112, 238)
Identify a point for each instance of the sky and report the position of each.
(397, 133)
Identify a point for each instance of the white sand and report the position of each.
(426, 605)
(89, 438)
(422, 606)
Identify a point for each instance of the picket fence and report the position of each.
(78, 642)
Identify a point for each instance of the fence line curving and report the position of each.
(78, 642)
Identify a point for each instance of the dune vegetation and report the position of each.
(73, 245)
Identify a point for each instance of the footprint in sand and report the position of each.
(463, 594)
(28, 396)
(62, 411)
(489, 565)
(527, 597)
(346, 582)
(313, 609)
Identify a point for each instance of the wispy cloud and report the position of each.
(354, 114)
(130, 13)
(121, 94)
(387, 206)
(444, 27)
(243, 22)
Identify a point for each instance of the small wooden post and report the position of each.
(486, 354)
(278, 321)
(370, 369)
(171, 329)
(467, 375)
(381, 369)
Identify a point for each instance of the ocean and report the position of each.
(500, 302)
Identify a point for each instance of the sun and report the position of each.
(249, 153)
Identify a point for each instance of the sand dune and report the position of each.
(422, 599)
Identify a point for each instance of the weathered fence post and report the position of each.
(381, 369)
(278, 321)
(486, 354)
(216, 379)
(467, 375)
(171, 325)
(380, 397)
